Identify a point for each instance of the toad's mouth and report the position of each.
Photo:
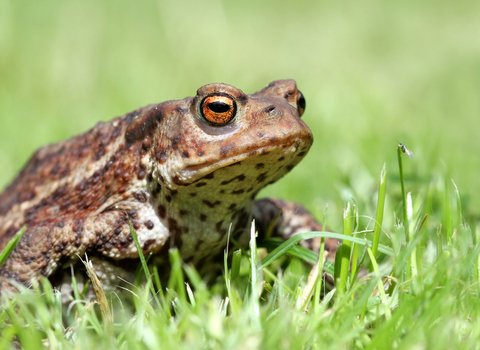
(193, 173)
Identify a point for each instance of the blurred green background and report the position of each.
(373, 73)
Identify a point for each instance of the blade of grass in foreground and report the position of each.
(285, 247)
(382, 191)
(254, 297)
(318, 284)
(144, 263)
(346, 246)
(448, 213)
(11, 245)
(412, 267)
(402, 183)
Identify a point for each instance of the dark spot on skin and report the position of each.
(240, 177)
(143, 127)
(173, 192)
(232, 206)
(262, 177)
(201, 153)
(118, 172)
(156, 191)
(260, 134)
(222, 191)
(290, 167)
(218, 226)
(208, 176)
(140, 196)
(147, 143)
(210, 204)
(301, 154)
(161, 156)
(225, 149)
(132, 214)
(238, 191)
(172, 224)
(148, 244)
(259, 166)
(141, 174)
(80, 186)
(168, 198)
(193, 194)
(281, 158)
(185, 154)
(176, 141)
(176, 180)
(100, 153)
(77, 226)
(203, 217)
(162, 211)
(200, 184)
(136, 225)
(183, 212)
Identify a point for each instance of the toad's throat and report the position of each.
(195, 172)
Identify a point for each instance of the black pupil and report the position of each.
(301, 102)
(218, 107)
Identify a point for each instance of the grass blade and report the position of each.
(143, 262)
(285, 247)
(11, 245)
(254, 297)
(402, 183)
(382, 191)
(345, 255)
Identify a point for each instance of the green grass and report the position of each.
(373, 73)
(432, 303)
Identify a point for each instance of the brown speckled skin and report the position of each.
(180, 180)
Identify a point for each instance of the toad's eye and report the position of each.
(218, 109)
(301, 104)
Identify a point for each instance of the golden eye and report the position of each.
(218, 109)
(301, 104)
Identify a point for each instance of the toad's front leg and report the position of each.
(43, 248)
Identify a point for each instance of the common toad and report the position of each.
(181, 171)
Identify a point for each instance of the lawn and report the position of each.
(373, 74)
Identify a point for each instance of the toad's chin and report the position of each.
(267, 154)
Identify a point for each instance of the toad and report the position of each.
(183, 173)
